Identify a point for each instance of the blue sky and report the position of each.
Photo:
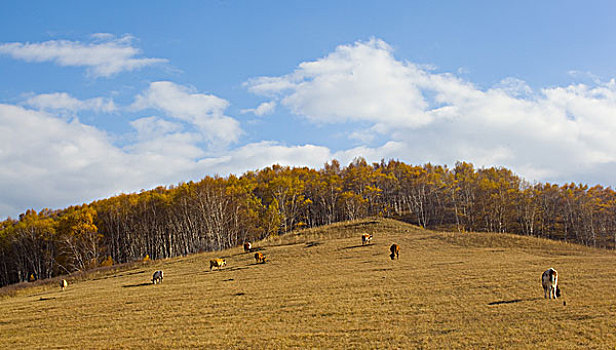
(98, 98)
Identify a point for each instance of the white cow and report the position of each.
(63, 285)
(157, 277)
(549, 281)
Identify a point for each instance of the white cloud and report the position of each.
(390, 150)
(263, 109)
(152, 127)
(104, 57)
(554, 134)
(365, 136)
(261, 154)
(205, 112)
(514, 87)
(64, 101)
(270, 86)
(161, 138)
(357, 82)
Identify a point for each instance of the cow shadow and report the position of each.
(229, 269)
(137, 285)
(501, 302)
(512, 301)
(448, 263)
(355, 246)
(255, 249)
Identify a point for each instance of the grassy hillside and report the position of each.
(323, 289)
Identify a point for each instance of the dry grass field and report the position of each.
(323, 289)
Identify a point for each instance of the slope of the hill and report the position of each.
(323, 289)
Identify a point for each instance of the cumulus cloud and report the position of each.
(355, 82)
(64, 101)
(205, 112)
(104, 56)
(554, 134)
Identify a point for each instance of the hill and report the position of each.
(323, 289)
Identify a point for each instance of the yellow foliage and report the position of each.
(107, 262)
(146, 258)
(300, 225)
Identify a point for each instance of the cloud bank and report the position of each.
(556, 134)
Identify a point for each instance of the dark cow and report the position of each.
(157, 277)
(395, 251)
(247, 246)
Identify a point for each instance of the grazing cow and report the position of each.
(260, 258)
(219, 263)
(366, 238)
(63, 285)
(549, 280)
(395, 251)
(247, 246)
(157, 277)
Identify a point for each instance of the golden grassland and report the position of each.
(323, 289)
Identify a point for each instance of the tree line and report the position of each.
(217, 213)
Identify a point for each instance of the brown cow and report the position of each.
(247, 246)
(260, 258)
(219, 263)
(395, 251)
(366, 238)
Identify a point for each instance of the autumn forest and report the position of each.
(217, 213)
